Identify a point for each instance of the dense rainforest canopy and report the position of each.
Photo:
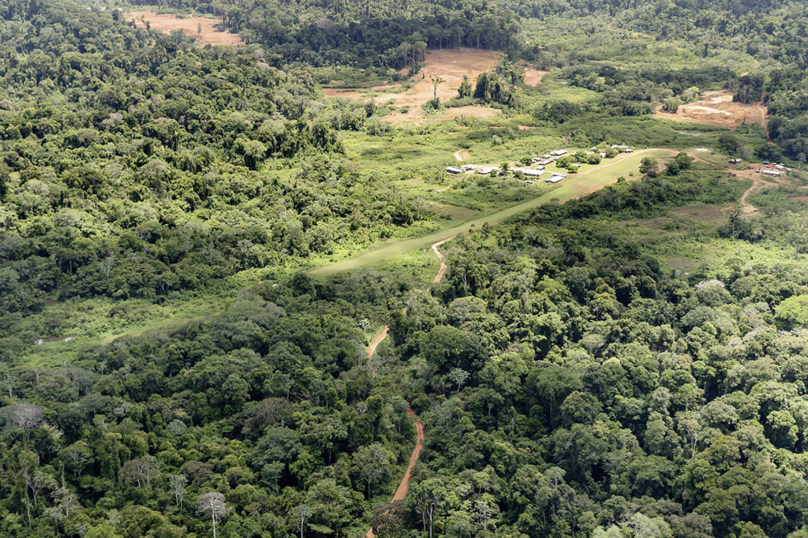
(571, 380)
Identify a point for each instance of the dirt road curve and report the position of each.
(443, 266)
(404, 486)
(376, 341)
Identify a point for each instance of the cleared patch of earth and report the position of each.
(448, 64)
(716, 108)
(803, 198)
(462, 155)
(533, 76)
(188, 25)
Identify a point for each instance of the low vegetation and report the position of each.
(198, 244)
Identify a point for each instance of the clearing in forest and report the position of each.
(188, 25)
(717, 108)
(448, 64)
(533, 76)
(575, 186)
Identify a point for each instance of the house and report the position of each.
(558, 152)
(555, 178)
(487, 170)
(774, 173)
(779, 166)
(629, 150)
(539, 167)
(619, 147)
(535, 159)
(468, 167)
(545, 162)
(532, 173)
(735, 161)
(545, 156)
(602, 155)
(455, 170)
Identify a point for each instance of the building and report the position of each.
(555, 178)
(455, 170)
(774, 173)
(619, 147)
(532, 173)
(779, 166)
(558, 152)
(487, 170)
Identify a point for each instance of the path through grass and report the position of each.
(574, 186)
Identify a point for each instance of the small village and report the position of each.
(537, 168)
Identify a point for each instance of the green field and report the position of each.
(574, 186)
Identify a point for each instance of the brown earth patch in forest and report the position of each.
(533, 76)
(717, 108)
(188, 25)
(803, 198)
(416, 116)
(448, 64)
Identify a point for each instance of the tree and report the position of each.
(465, 89)
(459, 377)
(302, 513)
(792, 312)
(212, 504)
(389, 520)
(37, 481)
(649, 166)
(140, 471)
(483, 513)
(426, 497)
(24, 416)
(178, 483)
(371, 464)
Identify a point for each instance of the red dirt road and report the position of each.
(404, 486)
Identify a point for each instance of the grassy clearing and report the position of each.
(100, 321)
(574, 186)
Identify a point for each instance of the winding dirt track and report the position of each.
(404, 486)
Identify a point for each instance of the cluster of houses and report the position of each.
(538, 164)
(780, 169)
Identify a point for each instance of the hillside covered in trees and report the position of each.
(630, 363)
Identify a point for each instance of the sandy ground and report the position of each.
(450, 65)
(717, 108)
(188, 25)
(533, 76)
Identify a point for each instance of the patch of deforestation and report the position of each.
(199, 27)
(716, 108)
(448, 64)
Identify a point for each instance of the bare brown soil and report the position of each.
(717, 109)
(188, 25)
(533, 76)
(450, 65)
(802, 198)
